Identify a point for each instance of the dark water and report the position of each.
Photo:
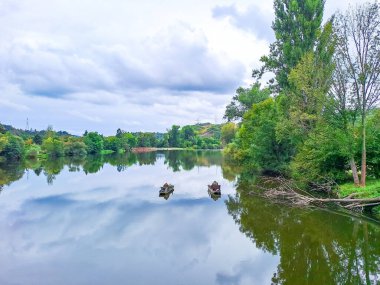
(100, 221)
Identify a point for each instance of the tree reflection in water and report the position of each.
(315, 246)
(175, 160)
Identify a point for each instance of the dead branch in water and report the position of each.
(285, 190)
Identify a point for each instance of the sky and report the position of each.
(145, 65)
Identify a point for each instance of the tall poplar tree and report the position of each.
(297, 25)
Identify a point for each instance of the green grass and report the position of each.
(106, 151)
(372, 189)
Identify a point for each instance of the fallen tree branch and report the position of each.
(352, 195)
(284, 190)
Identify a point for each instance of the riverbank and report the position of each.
(150, 149)
(282, 190)
(371, 190)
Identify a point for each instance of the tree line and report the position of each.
(17, 144)
(318, 118)
(175, 160)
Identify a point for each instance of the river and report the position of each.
(100, 220)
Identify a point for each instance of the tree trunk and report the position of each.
(354, 171)
(364, 155)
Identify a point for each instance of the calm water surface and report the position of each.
(100, 221)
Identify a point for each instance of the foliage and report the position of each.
(75, 148)
(11, 147)
(314, 126)
(243, 101)
(2, 129)
(188, 135)
(296, 26)
(358, 59)
(257, 137)
(38, 139)
(32, 151)
(373, 144)
(129, 139)
(53, 147)
(228, 132)
(323, 155)
(112, 143)
(146, 140)
(94, 142)
(174, 136)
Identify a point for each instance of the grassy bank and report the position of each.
(149, 149)
(371, 190)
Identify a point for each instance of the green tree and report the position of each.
(187, 135)
(373, 144)
(3, 142)
(37, 139)
(164, 141)
(119, 133)
(297, 24)
(257, 139)
(2, 129)
(358, 51)
(112, 143)
(243, 101)
(147, 140)
(306, 101)
(131, 139)
(11, 147)
(94, 142)
(75, 148)
(49, 133)
(53, 147)
(322, 156)
(32, 151)
(228, 132)
(174, 136)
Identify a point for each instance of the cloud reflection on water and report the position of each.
(112, 228)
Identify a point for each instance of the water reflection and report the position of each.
(100, 221)
(110, 227)
(175, 160)
(316, 246)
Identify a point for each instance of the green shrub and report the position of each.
(75, 148)
(53, 147)
(11, 147)
(94, 142)
(32, 151)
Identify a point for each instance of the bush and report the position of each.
(112, 143)
(37, 139)
(11, 147)
(32, 151)
(53, 147)
(75, 148)
(94, 142)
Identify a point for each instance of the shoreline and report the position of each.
(151, 149)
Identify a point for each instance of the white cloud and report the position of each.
(252, 19)
(112, 62)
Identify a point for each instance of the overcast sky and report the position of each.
(135, 65)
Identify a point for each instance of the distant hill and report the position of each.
(205, 130)
(208, 130)
(29, 133)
